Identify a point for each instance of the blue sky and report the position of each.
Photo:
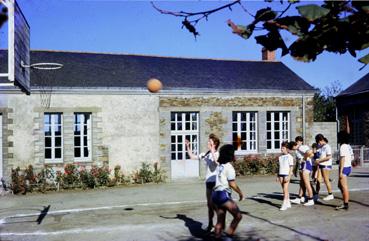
(134, 27)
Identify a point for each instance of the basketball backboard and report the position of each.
(18, 47)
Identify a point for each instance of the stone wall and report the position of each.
(329, 130)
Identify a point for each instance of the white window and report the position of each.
(53, 137)
(82, 137)
(278, 124)
(184, 125)
(244, 132)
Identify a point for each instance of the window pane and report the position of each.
(276, 125)
(47, 130)
(172, 117)
(84, 130)
(47, 153)
(77, 152)
(85, 141)
(47, 141)
(243, 127)
(276, 135)
(269, 116)
(243, 136)
(243, 146)
(194, 126)
(276, 116)
(194, 116)
(77, 128)
(57, 152)
(173, 126)
(269, 126)
(179, 126)
(188, 126)
(179, 117)
(77, 141)
(277, 144)
(58, 141)
(269, 145)
(187, 117)
(85, 152)
(87, 118)
(234, 126)
(180, 156)
(77, 118)
(173, 147)
(174, 156)
(234, 116)
(269, 135)
(47, 119)
(243, 116)
(173, 139)
(58, 130)
(57, 118)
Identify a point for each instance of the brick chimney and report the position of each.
(267, 55)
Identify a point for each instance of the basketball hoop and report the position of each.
(45, 75)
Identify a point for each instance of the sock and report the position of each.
(329, 193)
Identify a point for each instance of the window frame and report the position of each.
(248, 131)
(282, 137)
(53, 137)
(194, 134)
(82, 158)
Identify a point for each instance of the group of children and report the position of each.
(315, 162)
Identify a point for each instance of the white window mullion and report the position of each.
(53, 137)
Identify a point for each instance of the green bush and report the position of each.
(87, 179)
(256, 165)
(101, 175)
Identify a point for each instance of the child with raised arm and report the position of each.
(284, 174)
(210, 158)
(225, 182)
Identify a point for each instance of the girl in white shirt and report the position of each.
(210, 158)
(284, 174)
(221, 197)
(346, 156)
(325, 163)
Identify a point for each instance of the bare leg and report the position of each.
(221, 214)
(232, 207)
(306, 179)
(344, 189)
(326, 174)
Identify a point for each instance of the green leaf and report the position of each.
(365, 59)
(265, 14)
(364, 46)
(312, 12)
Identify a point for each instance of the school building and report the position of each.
(96, 110)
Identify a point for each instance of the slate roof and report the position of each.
(359, 87)
(94, 70)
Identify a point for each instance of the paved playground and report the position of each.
(177, 211)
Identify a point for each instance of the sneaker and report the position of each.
(284, 207)
(329, 197)
(309, 203)
(288, 204)
(296, 201)
(303, 199)
(342, 207)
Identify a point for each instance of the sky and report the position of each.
(135, 27)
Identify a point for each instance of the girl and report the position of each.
(307, 168)
(346, 155)
(225, 181)
(325, 163)
(210, 158)
(284, 174)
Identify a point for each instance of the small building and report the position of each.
(97, 110)
(353, 111)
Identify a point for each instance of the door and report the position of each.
(184, 126)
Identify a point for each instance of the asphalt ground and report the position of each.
(177, 211)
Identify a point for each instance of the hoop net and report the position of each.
(44, 75)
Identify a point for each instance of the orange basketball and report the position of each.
(154, 85)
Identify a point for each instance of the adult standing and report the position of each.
(211, 161)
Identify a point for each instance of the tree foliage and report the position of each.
(325, 103)
(333, 26)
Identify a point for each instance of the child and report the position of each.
(210, 158)
(325, 163)
(300, 150)
(307, 168)
(316, 175)
(346, 156)
(284, 174)
(221, 197)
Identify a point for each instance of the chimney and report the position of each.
(267, 55)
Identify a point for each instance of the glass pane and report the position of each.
(58, 152)
(85, 152)
(187, 117)
(173, 147)
(276, 116)
(188, 126)
(47, 141)
(276, 125)
(179, 117)
(84, 130)
(47, 130)
(276, 135)
(173, 139)
(194, 126)
(252, 117)
(58, 118)
(179, 126)
(172, 126)
(77, 152)
(269, 135)
(58, 130)
(47, 153)
(77, 141)
(243, 127)
(277, 144)
(174, 156)
(172, 117)
(194, 116)
(77, 118)
(269, 145)
(234, 127)
(85, 141)
(47, 119)
(87, 118)
(234, 116)
(180, 156)
(243, 146)
(77, 128)
(243, 116)
(179, 138)
(58, 141)
(243, 136)
(179, 147)
(269, 126)
(269, 116)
